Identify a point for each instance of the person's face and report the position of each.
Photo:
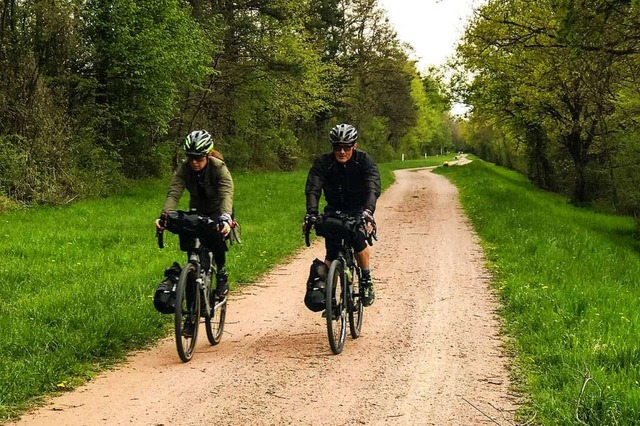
(197, 163)
(343, 152)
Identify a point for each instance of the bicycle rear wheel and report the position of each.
(355, 308)
(187, 315)
(214, 323)
(335, 296)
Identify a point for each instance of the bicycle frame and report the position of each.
(204, 283)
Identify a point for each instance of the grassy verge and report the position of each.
(570, 285)
(77, 282)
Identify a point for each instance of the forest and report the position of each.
(95, 94)
(554, 92)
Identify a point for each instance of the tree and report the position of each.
(549, 71)
(141, 53)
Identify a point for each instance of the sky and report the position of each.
(432, 27)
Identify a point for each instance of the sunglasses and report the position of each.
(345, 148)
(196, 157)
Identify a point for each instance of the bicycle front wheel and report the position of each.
(214, 323)
(187, 314)
(355, 308)
(336, 312)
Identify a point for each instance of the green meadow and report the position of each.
(569, 282)
(77, 282)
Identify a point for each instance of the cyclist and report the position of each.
(210, 187)
(351, 184)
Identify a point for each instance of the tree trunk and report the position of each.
(578, 148)
(541, 170)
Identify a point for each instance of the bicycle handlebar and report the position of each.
(160, 237)
(373, 235)
(310, 223)
(202, 221)
(160, 232)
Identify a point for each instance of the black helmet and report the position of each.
(343, 133)
(198, 143)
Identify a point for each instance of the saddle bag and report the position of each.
(164, 299)
(316, 283)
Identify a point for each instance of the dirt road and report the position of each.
(429, 354)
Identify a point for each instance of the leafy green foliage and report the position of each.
(141, 52)
(93, 93)
(547, 77)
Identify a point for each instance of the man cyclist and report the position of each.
(210, 187)
(351, 184)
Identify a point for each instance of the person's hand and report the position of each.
(159, 226)
(309, 221)
(367, 215)
(224, 224)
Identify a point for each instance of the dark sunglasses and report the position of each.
(195, 157)
(345, 148)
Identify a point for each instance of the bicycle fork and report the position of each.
(204, 284)
(352, 273)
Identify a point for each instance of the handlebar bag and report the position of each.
(336, 227)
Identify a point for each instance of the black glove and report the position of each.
(310, 219)
(367, 215)
(309, 222)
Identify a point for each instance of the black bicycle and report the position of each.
(194, 299)
(343, 293)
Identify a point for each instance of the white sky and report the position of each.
(432, 27)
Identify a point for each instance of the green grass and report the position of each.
(77, 282)
(569, 279)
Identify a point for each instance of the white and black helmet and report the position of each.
(343, 133)
(198, 143)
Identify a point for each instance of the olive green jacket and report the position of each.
(218, 187)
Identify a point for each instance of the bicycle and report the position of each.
(343, 293)
(193, 290)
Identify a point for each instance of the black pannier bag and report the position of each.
(164, 299)
(314, 297)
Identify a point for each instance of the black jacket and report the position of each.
(350, 187)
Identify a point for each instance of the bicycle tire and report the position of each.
(187, 311)
(214, 323)
(355, 307)
(336, 308)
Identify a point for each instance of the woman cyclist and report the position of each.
(210, 187)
